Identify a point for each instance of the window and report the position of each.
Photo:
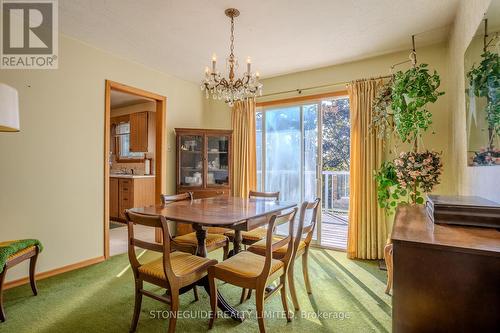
(122, 131)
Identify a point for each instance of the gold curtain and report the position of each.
(244, 176)
(367, 227)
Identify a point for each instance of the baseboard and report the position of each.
(53, 272)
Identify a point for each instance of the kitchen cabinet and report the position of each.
(129, 192)
(113, 197)
(139, 132)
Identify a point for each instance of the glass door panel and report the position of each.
(191, 158)
(283, 152)
(217, 161)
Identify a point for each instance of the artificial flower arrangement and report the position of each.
(400, 111)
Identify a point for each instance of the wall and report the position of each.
(218, 114)
(482, 181)
(52, 171)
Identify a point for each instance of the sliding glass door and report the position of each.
(303, 152)
(287, 151)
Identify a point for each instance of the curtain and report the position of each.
(367, 231)
(244, 175)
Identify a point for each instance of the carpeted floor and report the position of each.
(348, 296)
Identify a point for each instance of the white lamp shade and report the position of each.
(9, 109)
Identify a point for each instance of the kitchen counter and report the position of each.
(112, 175)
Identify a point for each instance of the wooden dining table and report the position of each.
(239, 214)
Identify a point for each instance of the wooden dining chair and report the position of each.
(253, 236)
(188, 241)
(176, 271)
(252, 271)
(301, 244)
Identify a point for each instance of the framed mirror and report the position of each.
(482, 91)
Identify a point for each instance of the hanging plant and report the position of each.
(484, 80)
(389, 193)
(382, 116)
(418, 172)
(411, 92)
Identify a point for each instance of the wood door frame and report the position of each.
(160, 156)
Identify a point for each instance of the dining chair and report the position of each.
(302, 242)
(252, 271)
(175, 271)
(188, 242)
(257, 234)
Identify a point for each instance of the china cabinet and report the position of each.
(203, 161)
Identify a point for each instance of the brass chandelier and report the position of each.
(231, 89)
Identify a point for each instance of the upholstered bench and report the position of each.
(13, 253)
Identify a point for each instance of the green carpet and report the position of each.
(348, 296)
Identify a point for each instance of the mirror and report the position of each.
(482, 91)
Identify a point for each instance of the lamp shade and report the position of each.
(9, 109)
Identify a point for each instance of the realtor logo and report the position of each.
(29, 34)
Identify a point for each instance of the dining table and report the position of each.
(238, 214)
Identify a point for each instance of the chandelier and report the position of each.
(231, 89)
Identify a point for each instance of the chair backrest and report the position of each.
(166, 199)
(181, 228)
(304, 228)
(264, 195)
(153, 221)
(272, 245)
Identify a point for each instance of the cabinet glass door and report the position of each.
(217, 161)
(191, 160)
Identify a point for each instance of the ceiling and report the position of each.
(120, 99)
(178, 37)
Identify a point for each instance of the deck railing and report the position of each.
(335, 191)
(335, 187)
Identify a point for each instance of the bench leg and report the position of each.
(32, 273)
(2, 278)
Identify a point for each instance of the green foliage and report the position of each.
(389, 193)
(411, 92)
(382, 117)
(485, 82)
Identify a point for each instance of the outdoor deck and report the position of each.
(334, 230)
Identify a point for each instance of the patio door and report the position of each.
(301, 152)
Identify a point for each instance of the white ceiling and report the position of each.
(119, 99)
(282, 36)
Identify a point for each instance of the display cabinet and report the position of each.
(203, 161)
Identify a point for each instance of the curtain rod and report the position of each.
(299, 91)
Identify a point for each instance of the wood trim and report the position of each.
(134, 91)
(53, 272)
(302, 98)
(160, 156)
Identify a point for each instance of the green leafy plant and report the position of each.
(484, 80)
(411, 92)
(388, 192)
(382, 116)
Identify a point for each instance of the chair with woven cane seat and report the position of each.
(252, 271)
(16, 252)
(302, 242)
(175, 271)
(252, 236)
(188, 242)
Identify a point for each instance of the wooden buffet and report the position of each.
(446, 278)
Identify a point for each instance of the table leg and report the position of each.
(237, 242)
(201, 236)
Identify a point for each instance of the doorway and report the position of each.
(134, 170)
(303, 152)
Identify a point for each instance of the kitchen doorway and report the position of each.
(134, 159)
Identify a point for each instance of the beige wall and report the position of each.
(51, 173)
(218, 114)
(482, 181)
